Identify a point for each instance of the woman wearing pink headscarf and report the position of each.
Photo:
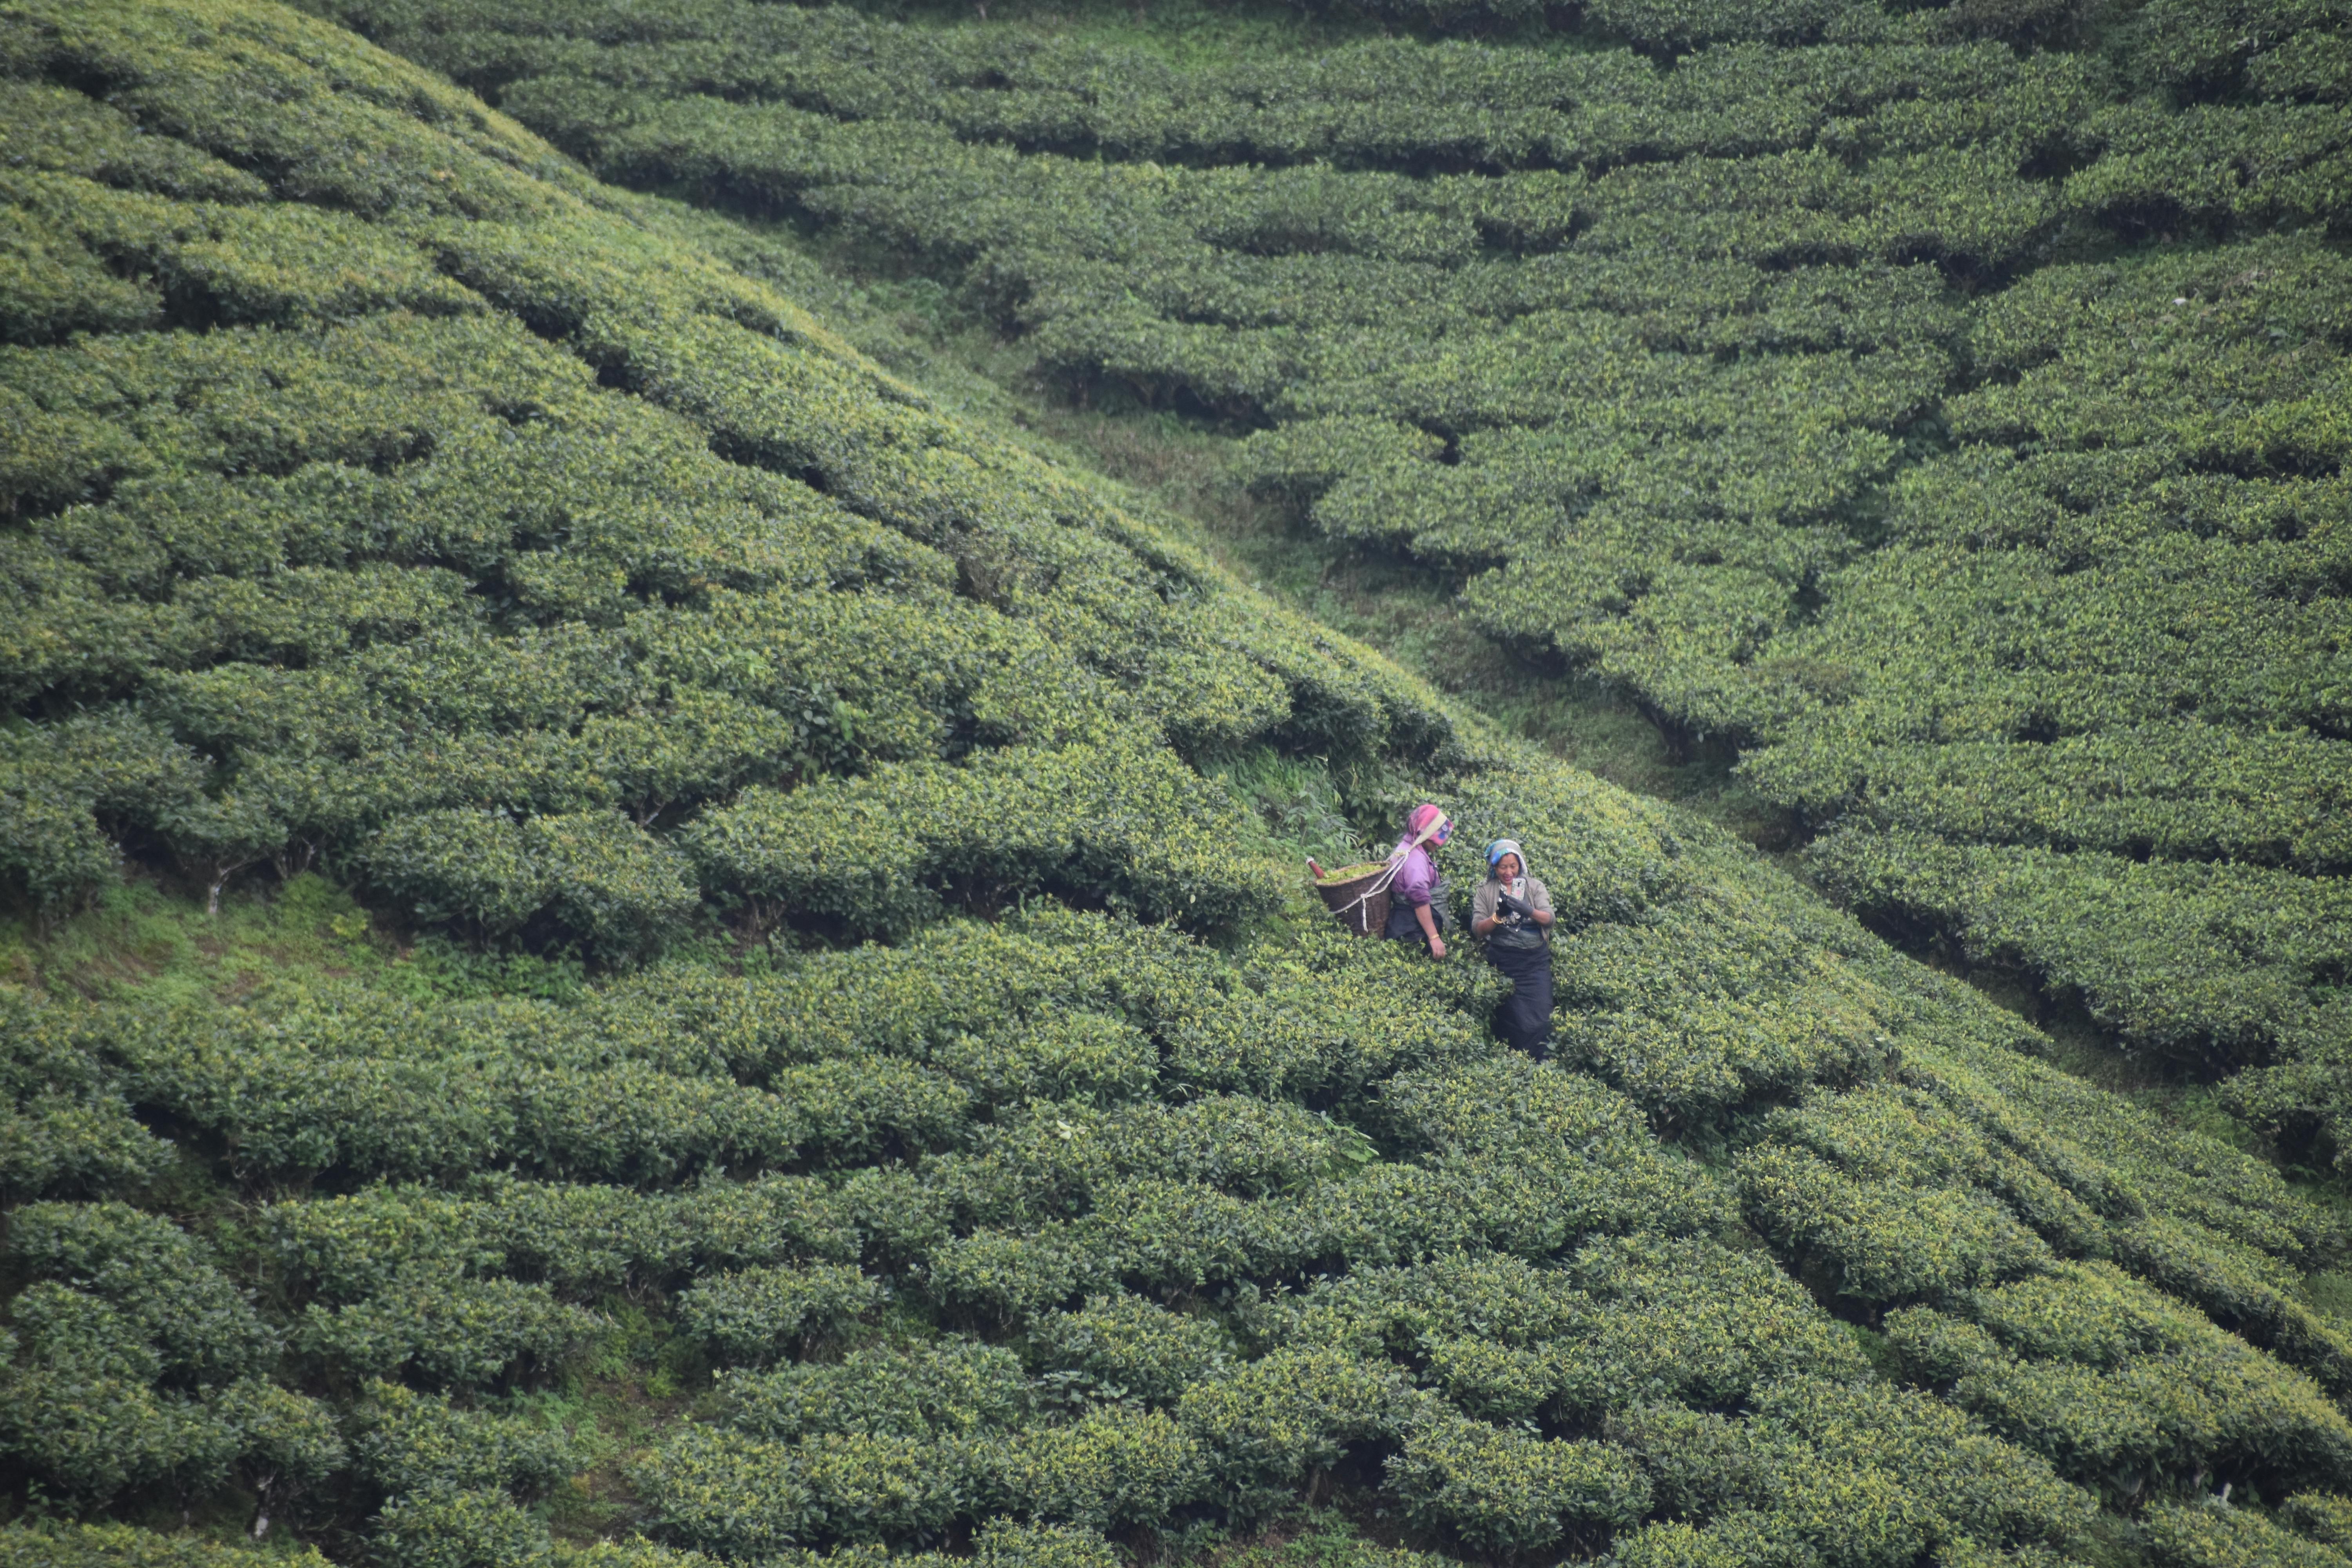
(1414, 911)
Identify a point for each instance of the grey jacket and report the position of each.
(1514, 932)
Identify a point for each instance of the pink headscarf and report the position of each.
(1426, 824)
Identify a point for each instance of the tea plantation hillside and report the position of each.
(1946, 405)
(950, 1144)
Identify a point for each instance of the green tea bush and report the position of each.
(1395, 1310)
(66, 1128)
(1500, 1489)
(2200, 959)
(1332, 1020)
(603, 877)
(347, 1248)
(458, 1332)
(1557, 1152)
(2322, 1515)
(1131, 827)
(2198, 51)
(2193, 1535)
(458, 1530)
(1288, 1417)
(1059, 1159)
(1119, 1347)
(140, 1271)
(1006, 1544)
(764, 1314)
(1171, 1236)
(411, 1444)
(98, 1406)
(1623, 1322)
(1891, 1239)
(736, 1496)
(722, 1493)
(74, 1330)
(951, 1389)
(1842, 1469)
(2131, 1386)
(1782, 1008)
(637, 1553)
(1112, 1466)
(60, 780)
(559, 1095)
(1691, 1320)
(1005, 1278)
(89, 1434)
(290, 1442)
(124, 1546)
(1084, 1057)
(279, 1112)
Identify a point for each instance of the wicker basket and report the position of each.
(1360, 902)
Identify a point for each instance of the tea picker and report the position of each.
(1401, 898)
(1511, 913)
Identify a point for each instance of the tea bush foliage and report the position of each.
(1942, 403)
(955, 1149)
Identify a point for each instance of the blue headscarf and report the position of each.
(1502, 847)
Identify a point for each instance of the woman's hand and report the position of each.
(1437, 947)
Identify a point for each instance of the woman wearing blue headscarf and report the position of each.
(1511, 913)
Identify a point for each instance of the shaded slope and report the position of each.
(555, 583)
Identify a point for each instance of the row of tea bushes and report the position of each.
(1762, 383)
(388, 574)
(1194, 1302)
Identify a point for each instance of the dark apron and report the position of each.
(1403, 926)
(1527, 1016)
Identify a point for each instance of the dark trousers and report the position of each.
(1527, 1016)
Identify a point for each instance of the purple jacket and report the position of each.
(1416, 880)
